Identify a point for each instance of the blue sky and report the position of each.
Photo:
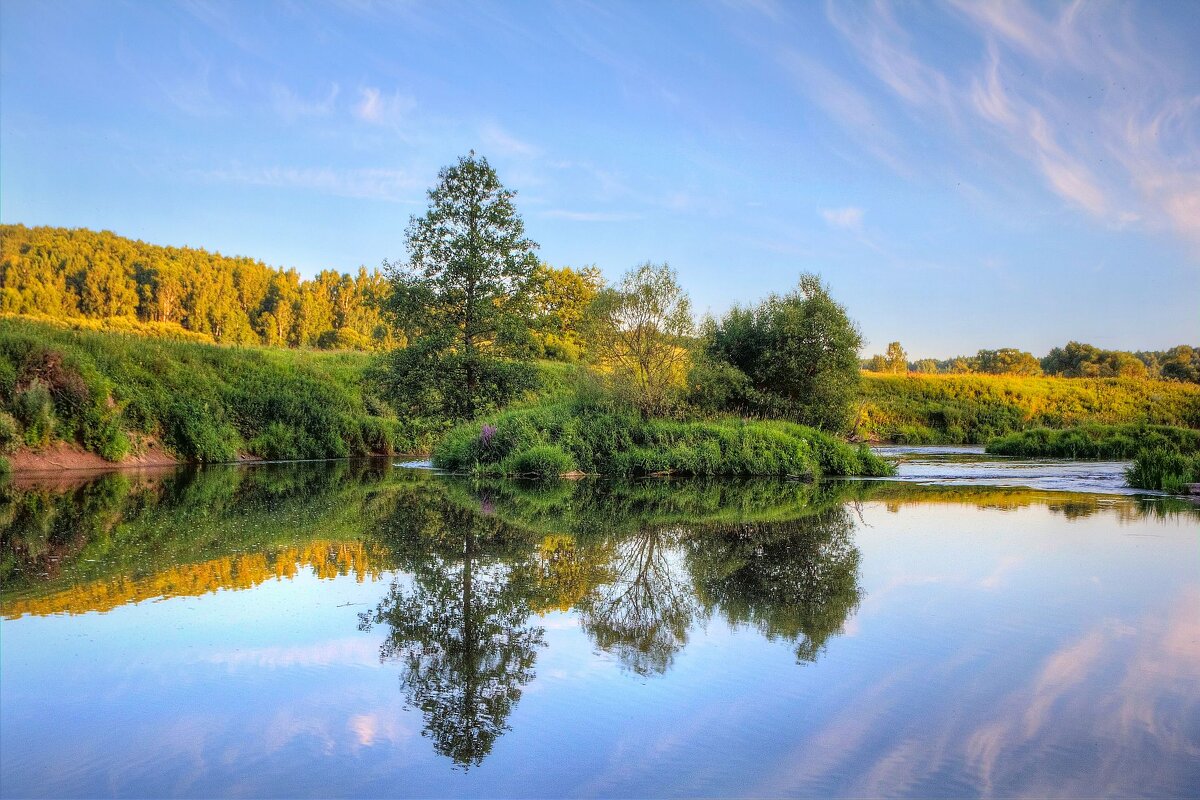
(964, 175)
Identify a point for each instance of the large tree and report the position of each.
(461, 300)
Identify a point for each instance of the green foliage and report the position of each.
(1096, 441)
(1078, 360)
(1164, 469)
(958, 409)
(10, 434)
(717, 387)
(464, 293)
(604, 439)
(895, 361)
(799, 352)
(639, 333)
(101, 281)
(1007, 361)
(539, 461)
(560, 301)
(205, 403)
(425, 380)
(34, 408)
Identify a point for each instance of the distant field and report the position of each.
(971, 409)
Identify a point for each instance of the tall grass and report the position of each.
(1164, 469)
(972, 409)
(1095, 441)
(596, 437)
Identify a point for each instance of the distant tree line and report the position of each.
(68, 274)
(1075, 360)
(79, 275)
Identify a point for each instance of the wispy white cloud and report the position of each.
(1075, 95)
(849, 217)
(497, 140)
(291, 105)
(845, 105)
(397, 186)
(379, 108)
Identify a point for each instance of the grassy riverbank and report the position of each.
(578, 436)
(973, 409)
(116, 394)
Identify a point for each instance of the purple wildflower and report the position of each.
(486, 434)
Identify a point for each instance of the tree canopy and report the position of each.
(463, 297)
(799, 352)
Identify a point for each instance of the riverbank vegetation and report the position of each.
(1165, 458)
(601, 437)
(115, 394)
(1113, 442)
(973, 409)
(1165, 469)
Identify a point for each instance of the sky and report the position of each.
(964, 175)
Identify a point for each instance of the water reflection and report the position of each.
(457, 622)
(473, 569)
(642, 613)
(795, 580)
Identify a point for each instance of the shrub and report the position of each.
(10, 436)
(540, 461)
(34, 408)
(1164, 469)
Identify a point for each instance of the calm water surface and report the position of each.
(355, 629)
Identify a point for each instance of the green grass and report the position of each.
(973, 409)
(596, 438)
(205, 403)
(1095, 441)
(1164, 469)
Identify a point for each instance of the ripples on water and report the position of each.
(967, 466)
(359, 629)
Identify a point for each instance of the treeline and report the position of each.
(70, 274)
(1075, 360)
(90, 280)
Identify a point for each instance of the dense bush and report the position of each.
(601, 438)
(958, 409)
(798, 354)
(34, 409)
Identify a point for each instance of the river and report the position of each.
(976, 626)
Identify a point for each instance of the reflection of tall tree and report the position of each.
(795, 580)
(643, 613)
(459, 628)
